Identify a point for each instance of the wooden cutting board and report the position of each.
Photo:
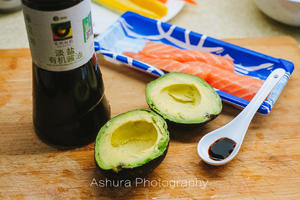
(267, 167)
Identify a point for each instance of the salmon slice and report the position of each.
(164, 51)
(230, 82)
(239, 85)
(171, 65)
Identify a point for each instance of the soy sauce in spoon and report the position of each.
(221, 148)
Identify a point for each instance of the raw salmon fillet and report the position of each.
(239, 85)
(171, 65)
(164, 51)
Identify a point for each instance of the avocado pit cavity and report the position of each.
(183, 93)
(135, 136)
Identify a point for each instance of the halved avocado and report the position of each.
(131, 144)
(183, 99)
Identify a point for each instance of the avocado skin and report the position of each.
(132, 173)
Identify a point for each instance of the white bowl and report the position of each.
(285, 11)
(9, 4)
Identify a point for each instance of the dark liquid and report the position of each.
(69, 107)
(50, 5)
(221, 149)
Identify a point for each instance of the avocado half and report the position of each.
(131, 144)
(183, 99)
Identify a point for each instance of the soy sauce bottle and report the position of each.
(69, 105)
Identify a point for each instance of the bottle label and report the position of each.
(60, 40)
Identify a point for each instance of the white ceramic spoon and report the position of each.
(237, 128)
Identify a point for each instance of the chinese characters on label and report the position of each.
(65, 56)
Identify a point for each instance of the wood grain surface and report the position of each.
(267, 167)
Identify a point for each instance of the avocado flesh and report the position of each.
(134, 135)
(183, 98)
(182, 94)
(131, 140)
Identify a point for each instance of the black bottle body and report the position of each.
(69, 106)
